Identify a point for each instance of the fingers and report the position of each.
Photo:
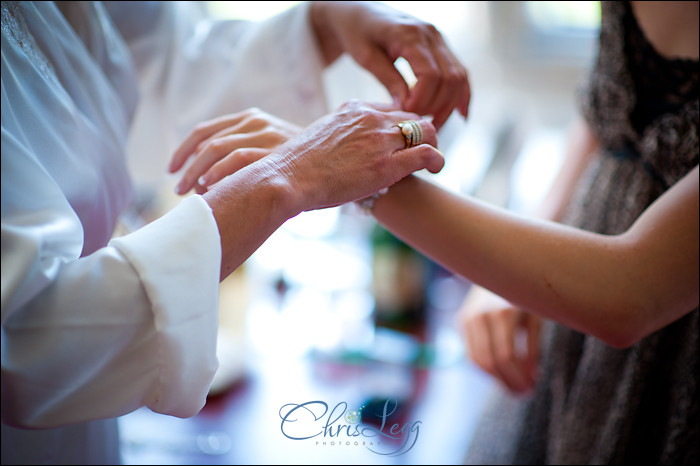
(382, 67)
(509, 366)
(492, 334)
(227, 146)
(442, 82)
(252, 120)
(427, 132)
(424, 155)
(428, 76)
(233, 162)
(220, 150)
(417, 158)
(201, 132)
(376, 35)
(246, 125)
(533, 327)
(241, 138)
(454, 91)
(478, 338)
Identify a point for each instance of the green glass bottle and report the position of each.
(399, 276)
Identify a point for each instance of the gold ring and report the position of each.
(411, 132)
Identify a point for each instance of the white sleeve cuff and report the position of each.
(178, 260)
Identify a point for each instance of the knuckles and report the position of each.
(217, 146)
(252, 112)
(350, 105)
(412, 32)
(244, 154)
(359, 113)
(200, 129)
(269, 134)
(486, 363)
(505, 354)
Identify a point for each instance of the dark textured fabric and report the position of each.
(595, 404)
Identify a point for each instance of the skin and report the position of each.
(618, 288)
(375, 35)
(489, 323)
(492, 324)
(342, 157)
(644, 278)
(226, 144)
(671, 27)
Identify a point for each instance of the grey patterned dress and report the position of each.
(595, 404)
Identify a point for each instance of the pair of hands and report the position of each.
(502, 339)
(342, 157)
(324, 157)
(375, 35)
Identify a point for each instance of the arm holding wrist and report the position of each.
(340, 158)
(617, 288)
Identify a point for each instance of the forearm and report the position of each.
(582, 147)
(601, 285)
(517, 258)
(248, 207)
(328, 43)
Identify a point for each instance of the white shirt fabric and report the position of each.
(94, 327)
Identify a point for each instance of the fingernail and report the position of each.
(178, 188)
(203, 181)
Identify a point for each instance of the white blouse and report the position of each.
(94, 328)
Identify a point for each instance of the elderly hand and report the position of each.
(226, 144)
(342, 157)
(492, 328)
(348, 155)
(375, 35)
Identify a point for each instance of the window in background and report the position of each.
(564, 17)
(544, 51)
(563, 30)
(250, 11)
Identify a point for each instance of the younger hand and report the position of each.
(494, 329)
(226, 144)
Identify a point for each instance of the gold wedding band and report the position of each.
(411, 132)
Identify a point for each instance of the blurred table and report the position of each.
(243, 425)
(300, 317)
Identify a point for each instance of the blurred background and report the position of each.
(334, 308)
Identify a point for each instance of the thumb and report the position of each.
(533, 324)
(378, 63)
(417, 158)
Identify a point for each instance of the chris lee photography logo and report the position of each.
(372, 427)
